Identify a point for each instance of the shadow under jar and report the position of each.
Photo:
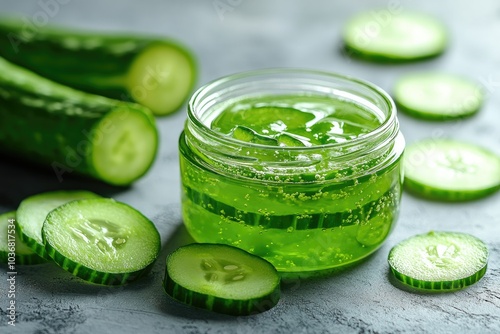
(302, 168)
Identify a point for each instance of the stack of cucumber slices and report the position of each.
(97, 239)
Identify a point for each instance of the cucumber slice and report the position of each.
(32, 213)
(222, 279)
(269, 121)
(439, 261)
(246, 134)
(394, 37)
(9, 237)
(289, 140)
(101, 240)
(437, 96)
(319, 220)
(447, 169)
(375, 230)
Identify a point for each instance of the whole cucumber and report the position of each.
(73, 131)
(155, 72)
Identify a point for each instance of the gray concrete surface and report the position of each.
(246, 35)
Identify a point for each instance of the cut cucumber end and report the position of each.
(101, 240)
(439, 261)
(385, 36)
(451, 170)
(9, 237)
(222, 279)
(437, 96)
(124, 145)
(161, 77)
(32, 213)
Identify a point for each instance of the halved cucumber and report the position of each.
(154, 71)
(439, 261)
(222, 279)
(11, 243)
(394, 36)
(32, 213)
(437, 95)
(101, 240)
(452, 170)
(68, 130)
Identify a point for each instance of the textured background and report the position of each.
(249, 35)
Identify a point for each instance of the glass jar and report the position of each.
(301, 208)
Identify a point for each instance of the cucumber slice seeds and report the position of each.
(23, 253)
(439, 261)
(32, 213)
(222, 279)
(101, 240)
(437, 96)
(451, 170)
(394, 37)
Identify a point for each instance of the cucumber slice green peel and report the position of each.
(437, 96)
(32, 213)
(221, 278)
(9, 237)
(439, 261)
(394, 37)
(450, 170)
(101, 240)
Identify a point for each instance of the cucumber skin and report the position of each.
(22, 259)
(220, 305)
(434, 117)
(444, 195)
(91, 275)
(217, 304)
(31, 243)
(92, 62)
(353, 52)
(441, 286)
(51, 124)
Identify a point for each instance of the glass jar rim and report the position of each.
(386, 125)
